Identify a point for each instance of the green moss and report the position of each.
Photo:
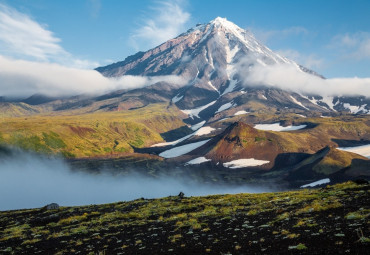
(138, 142)
(301, 246)
(259, 139)
(32, 143)
(68, 154)
(53, 141)
(107, 149)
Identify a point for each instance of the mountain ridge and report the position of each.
(214, 57)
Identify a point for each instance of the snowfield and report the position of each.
(356, 109)
(278, 127)
(300, 115)
(198, 125)
(201, 131)
(197, 161)
(195, 112)
(177, 98)
(245, 162)
(173, 142)
(204, 131)
(363, 150)
(225, 107)
(181, 150)
(240, 113)
(313, 184)
(298, 103)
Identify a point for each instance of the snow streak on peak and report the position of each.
(225, 23)
(234, 33)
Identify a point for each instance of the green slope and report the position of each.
(89, 135)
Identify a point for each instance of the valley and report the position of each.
(149, 141)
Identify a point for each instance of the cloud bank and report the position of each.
(22, 37)
(21, 78)
(28, 181)
(168, 21)
(290, 77)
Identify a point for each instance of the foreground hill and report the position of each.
(330, 220)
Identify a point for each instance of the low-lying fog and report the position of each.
(29, 181)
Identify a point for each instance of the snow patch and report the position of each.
(355, 109)
(173, 142)
(213, 87)
(313, 184)
(230, 54)
(206, 35)
(197, 161)
(240, 113)
(177, 98)
(204, 131)
(278, 127)
(363, 150)
(230, 69)
(300, 115)
(298, 103)
(223, 119)
(181, 150)
(225, 107)
(198, 125)
(329, 102)
(246, 162)
(231, 86)
(195, 112)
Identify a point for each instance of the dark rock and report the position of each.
(361, 181)
(52, 206)
(181, 195)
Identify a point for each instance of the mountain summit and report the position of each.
(214, 59)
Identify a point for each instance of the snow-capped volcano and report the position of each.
(215, 59)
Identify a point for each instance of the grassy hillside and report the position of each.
(94, 134)
(17, 109)
(331, 220)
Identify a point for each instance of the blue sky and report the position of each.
(331, 37)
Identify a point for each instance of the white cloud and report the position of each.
(22, 37)
(20, 34)
(310, 61)
(290, 77)
(168, 21)
(355, 46)
(25, 78)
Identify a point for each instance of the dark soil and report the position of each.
(332, 220)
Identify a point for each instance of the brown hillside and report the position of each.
(243, 141)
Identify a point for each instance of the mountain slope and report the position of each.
(216, 59)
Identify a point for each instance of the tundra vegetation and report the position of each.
(329, 220)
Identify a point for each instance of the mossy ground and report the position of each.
(331, 220)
